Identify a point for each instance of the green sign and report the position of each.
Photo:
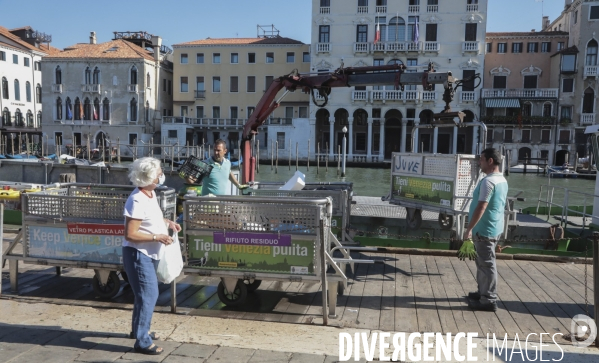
(205, 253)
(422, 190)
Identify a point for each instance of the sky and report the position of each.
(178, 21)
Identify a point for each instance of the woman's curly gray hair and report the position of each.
(143, 171)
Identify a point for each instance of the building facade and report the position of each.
(520, 96)
(110, 93)
(379, 119)
(218, 83)
(21, 52)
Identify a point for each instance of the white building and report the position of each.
(21, 51)
(450, 34)
(106, 93)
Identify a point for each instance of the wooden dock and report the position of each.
(407, 293)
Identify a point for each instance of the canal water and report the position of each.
(376, 182)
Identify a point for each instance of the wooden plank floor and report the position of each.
(405, 293)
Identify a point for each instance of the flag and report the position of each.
(416, 32)
(96, 114)
(377, 35)
(69, 113)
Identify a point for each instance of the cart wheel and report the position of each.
(111, 288)
(235, 298)
(445, 221)
(416, 220)
(252, 284)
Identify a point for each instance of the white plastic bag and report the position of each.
(297, 182)
(171, 262)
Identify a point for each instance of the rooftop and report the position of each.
(114, 49)
(526, 34)
(241, 41)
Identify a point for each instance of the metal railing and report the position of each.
(200, 94)
(568, 197)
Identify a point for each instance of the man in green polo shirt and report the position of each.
(216, 182)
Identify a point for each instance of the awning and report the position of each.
(502, 103)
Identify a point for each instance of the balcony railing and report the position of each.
(513, 120)
(429, 96)
(132, 88)
(323, 47)
(471, 8)
(467, 96)
(413, 8)
(359, 96)
(520, 92)
(57, 88)
(413, 46)
(470, 47)
(280, 121)
(204, 121)
(325, 10)
(432, 8)
(432, 46)
(361, 47)
(200, 94)
(587, 119)
(381, 9)
(393, 95)
(90, 88)
(362, 9)
(590, 71)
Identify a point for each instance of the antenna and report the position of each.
(542, 6)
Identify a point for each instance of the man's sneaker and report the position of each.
(477, 305)
(474, 295)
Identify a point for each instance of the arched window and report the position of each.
(588, 101)
(69, 109)
(396, 31)
(147, 111)
(39, 119)
(6, 121)
(28, 91)
(96, 79)
(96, 109)
(38, 93)
(29, 118)
(106, 110)
(18, 118)
(133, 77)
(59, 108)
(527, 109)
(4, 88)
(58, 75)
(133, 110)
(426, 117)
(78, 109)
(87, 109)
(148, 80)
(17, 90)
(591, 53)
(88, 75)
(547, 109)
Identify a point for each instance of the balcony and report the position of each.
(381, 9)
(57, 88)
(587, 119)
(413, 8)
(520, 93)
(513, 120)
(429, 96)
(432, 8)
(325, 10)
(362, 9)
(132, 88)
(413, 46)
(590, 71)
(90, 88)
(323, 48)
(393, 95)
(280, 121)
(200, 94)
(432, 47)
(470, 47)
(359, 96)
(467, 96)
(471, 8)
(361, 47)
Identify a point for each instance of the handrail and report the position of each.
(565, 207)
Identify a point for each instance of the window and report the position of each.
(200, 58)
(96, 76)
(172, 134)
(87, 109)
(267, 81)
(362, 33)
(233, 112)
(325, 3)
(216, 84)
(184, 84)
(234, 58)
(489, 135)
(508, 135)
(250, 111)
(164, 85)
(105, 109)
(547, 109)
(15, 60)
(591, 59)
(530, 81)
(516, 47)
(184, 111)
(560, 46)
(58, 75)
(575, 16)
(533, 47)
(183, 58)
(39, 119)
(546, 47)
(37, 66)
(362, 2)
(564, 137)
(68, 109)
(360, 141)
(6, 121)
(216, 58)
(468, 86)
(489, 47)
(588, 101)
(431, 32)
(525, 136)
(568, 63)
(133, 110)
(411, 26)
(148, 83)
(545, 136)
(28, 91)
(4, 88)
(170, 86)
(26, 61)
(526, 109)
(78, 109)
(501, 47)
(281, 140)
(97, 109)
(251, 58)
(270, 57)
(470, 34)
(133, 75)
(17, 90)
(594, 13)
(306, 57)
(568, 85)
(215, 112)
(59, 109)
(234, 84)
(200, 84)
(58, 138)
(200, 111)
(324, 33)
(2, 56)
(38, 93)
(290, 57)
(303, 112)
(88, 75)
(251, 84)
(566, 112)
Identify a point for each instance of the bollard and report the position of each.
(317, 158)
(272, 156)
(118, 150)
(289, 161)
(308, 161)
(296, 157)
(257, 156)
(326, 161)
(277, 158)
(338, 158)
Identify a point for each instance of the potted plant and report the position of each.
(565, 121)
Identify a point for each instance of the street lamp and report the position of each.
(344, 130)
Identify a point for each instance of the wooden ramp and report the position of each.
(407, 293)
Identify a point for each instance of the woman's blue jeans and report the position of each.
(141, 271)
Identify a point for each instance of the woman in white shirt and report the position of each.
(146, 231)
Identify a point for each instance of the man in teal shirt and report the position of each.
(216, 182)
(486, 223)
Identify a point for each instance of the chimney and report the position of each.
(92, 38)
(156, 43)
(532, 30)
(545, 22)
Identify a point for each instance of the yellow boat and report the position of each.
(10, 194)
